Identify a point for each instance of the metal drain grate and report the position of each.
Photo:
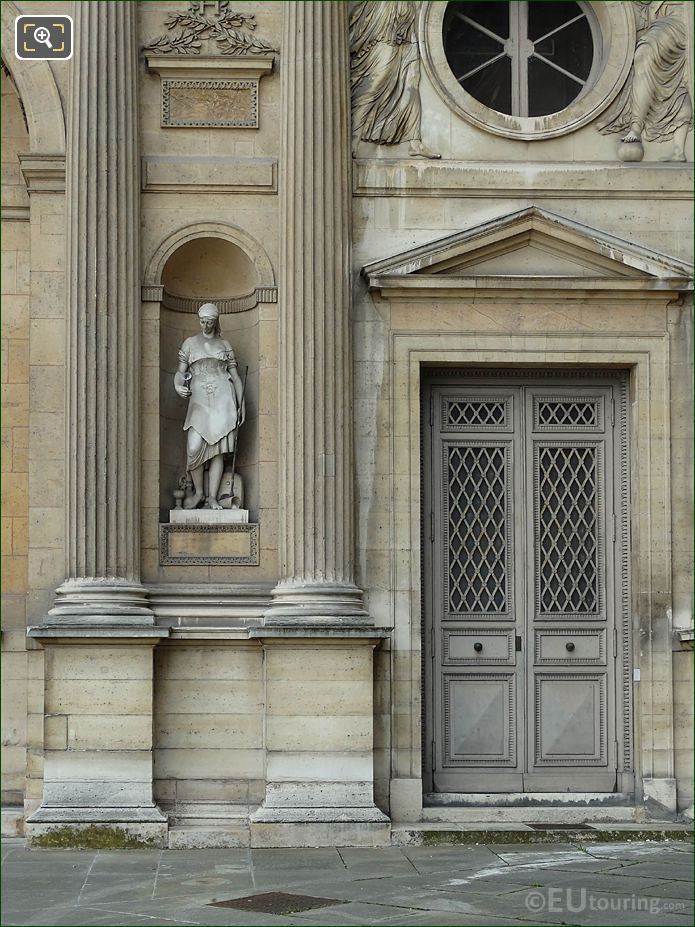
(559, 827)
(276, 903)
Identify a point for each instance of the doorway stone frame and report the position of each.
(646, 356)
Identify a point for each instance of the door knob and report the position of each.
(477, 646)
(569, 646)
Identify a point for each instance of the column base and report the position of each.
(97, 828)
(316, 604)
(320, 827)
(105, 601)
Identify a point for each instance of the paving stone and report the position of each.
(628, 850)
(444, 859)
(664, 889)
(649, 870)
(390, 886)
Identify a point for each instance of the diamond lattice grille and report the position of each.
(567, 413)
(476, 412)
(568, 541)
(478, 529)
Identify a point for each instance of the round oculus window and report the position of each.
(524, 58)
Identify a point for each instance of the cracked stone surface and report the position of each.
(630, 883)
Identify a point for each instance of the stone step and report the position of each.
(504, 815)
(12, 821)
(205, 835)
(440, 834)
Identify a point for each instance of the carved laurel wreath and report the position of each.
(230, 31)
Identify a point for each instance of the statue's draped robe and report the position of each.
(212, 408)
(384, 72)
(658, 76)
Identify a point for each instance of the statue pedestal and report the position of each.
(213, 537)
(209, 516)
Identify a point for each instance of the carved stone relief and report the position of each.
(655, 102)
(385, 75)
(210, 64)
(230, 33)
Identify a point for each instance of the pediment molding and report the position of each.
(506, 253)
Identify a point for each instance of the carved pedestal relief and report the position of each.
(210, 65)
(385, 75)
(655, 103)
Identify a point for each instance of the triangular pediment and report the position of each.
(531, 248)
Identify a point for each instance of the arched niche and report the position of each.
(37, 90)
(187, 271)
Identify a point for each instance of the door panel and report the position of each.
(519, 494)
(480, 713)
(570, 719)
(570, 712)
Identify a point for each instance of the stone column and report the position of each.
(100, 635)
(103, 259)
(316, 492)
(319, 675)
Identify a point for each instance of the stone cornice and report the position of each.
(43, 173)
(581, 180)
(210, 66)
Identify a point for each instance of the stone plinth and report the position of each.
(319, 735)
(97, 777)
(208, 516)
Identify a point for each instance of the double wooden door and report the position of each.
(525, 525)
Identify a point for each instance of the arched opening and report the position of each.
(207, 269)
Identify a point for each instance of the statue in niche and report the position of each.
(655, 103)
(385, 75)
(207, 376)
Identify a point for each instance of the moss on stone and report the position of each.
(436, 838)
(92, 837)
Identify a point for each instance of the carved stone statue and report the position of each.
(655, 103)
(207, 375)
(385, 75)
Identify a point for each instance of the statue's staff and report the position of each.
(237, 426)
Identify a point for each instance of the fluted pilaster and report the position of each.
(316, 477)
(102, 463)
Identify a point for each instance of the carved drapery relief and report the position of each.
(230, 32)
(385, 75)
(655, 103)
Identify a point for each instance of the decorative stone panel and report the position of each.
(210, 545)
(210, 92)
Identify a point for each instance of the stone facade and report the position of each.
(281, 702)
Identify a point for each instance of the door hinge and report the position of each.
(517, 643)
(615, 643)
(431, 410)
(432, 527)
(434, 754)
(615, 529)
(612, 413)
(615, 753)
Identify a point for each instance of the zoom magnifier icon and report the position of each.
(43, 36)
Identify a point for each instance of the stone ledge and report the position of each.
(446, 835)
(188, 174)
(84, 633)
(593, 180)
(210, 66)
(43, 173)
